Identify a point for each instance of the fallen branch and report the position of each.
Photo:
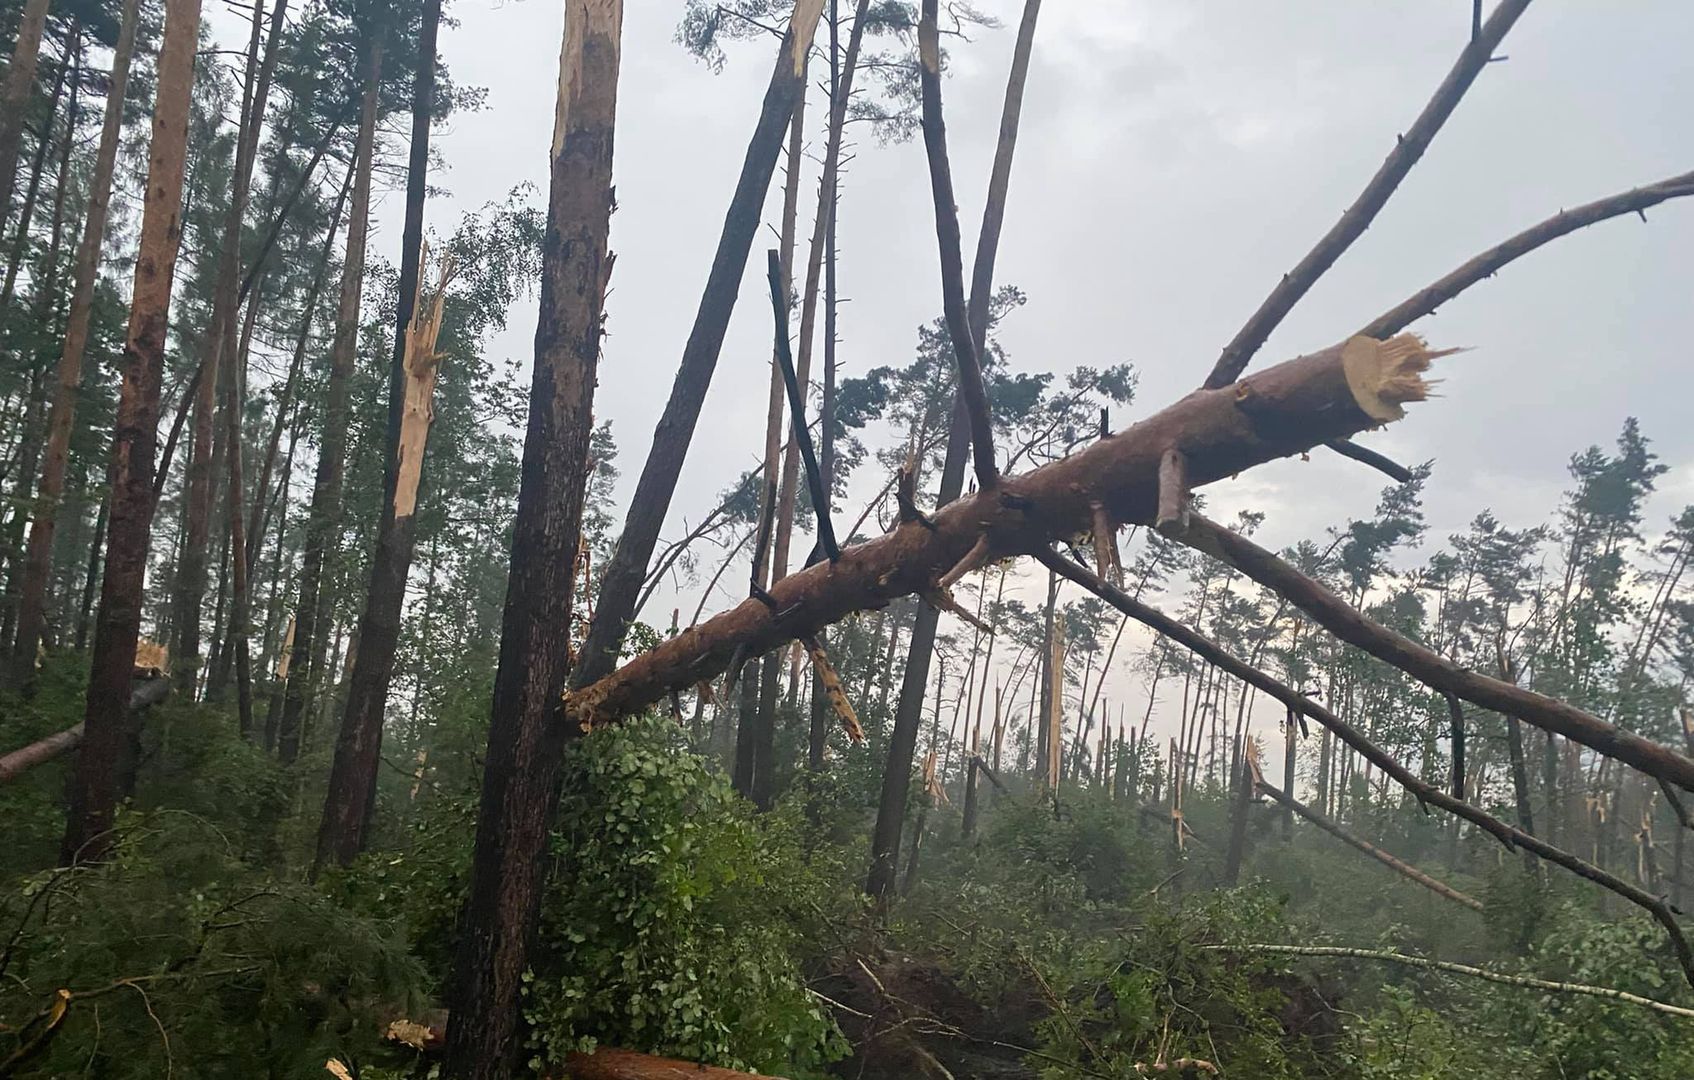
(1278, 412)
(1408, 148)
(606, 1063)
(145, 694)
(1352, 626)
(1405, 869)
(1392, 957)
(1508, 835)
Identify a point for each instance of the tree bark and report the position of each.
(14, 99)
(622, 582)
(62, 417)
(94, 789)
(191, 576)
(306, 664)
(521, 774)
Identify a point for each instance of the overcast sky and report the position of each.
(1177, 156)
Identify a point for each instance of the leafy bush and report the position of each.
(668, 926)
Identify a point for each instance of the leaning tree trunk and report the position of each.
(902, 744)
(621, 585)
(526, 742)
(94, 788)
(62, 417)
(14, 99)
(305, 659)
(359, 745)
(215, 350)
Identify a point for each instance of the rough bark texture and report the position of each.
(306, 658)
(1279, 412)
(32, 602)
(525, 747)
(622, 582)
(95, 787)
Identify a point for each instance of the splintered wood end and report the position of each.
(1385, 375)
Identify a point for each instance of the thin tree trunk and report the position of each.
(95, 786)
(526, 742)
(359, 745)
(306, 667)
(621, 585)
(14, 99)
(26, 213)
(62, 418)
(191, 578)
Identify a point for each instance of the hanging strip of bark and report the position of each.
(1391, 957)
(836, 693)
(971, 390)
(1513, 838)
(1404, 869)
(94, 791)
(1281, 411)
(1408, 148)
(1424, 664)
(621, 584)
(520, 778)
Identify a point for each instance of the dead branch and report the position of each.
(1392, 957)
(1426, 300)
(971, 390)
(1345, 622)
(143, 695)
(1280, 411)
(1408, 148)
(1347, 448)
(1404, 869)
(1508, 835)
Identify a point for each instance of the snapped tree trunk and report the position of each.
(95, 786)
(526, 743)
(62, 416)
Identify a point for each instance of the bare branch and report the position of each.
(1509, 835)
(1347, 623)
(1426, 300)
(1347, 448)
(971, 389)
(1408, 148)
(797, 411)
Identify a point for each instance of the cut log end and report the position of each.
(1385, 375)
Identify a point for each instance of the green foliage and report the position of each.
(667, 924)
(181, 957)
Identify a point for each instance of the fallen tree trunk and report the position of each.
(606, 1063)
(145, 694)
(1279, 412)
(1405, 869)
